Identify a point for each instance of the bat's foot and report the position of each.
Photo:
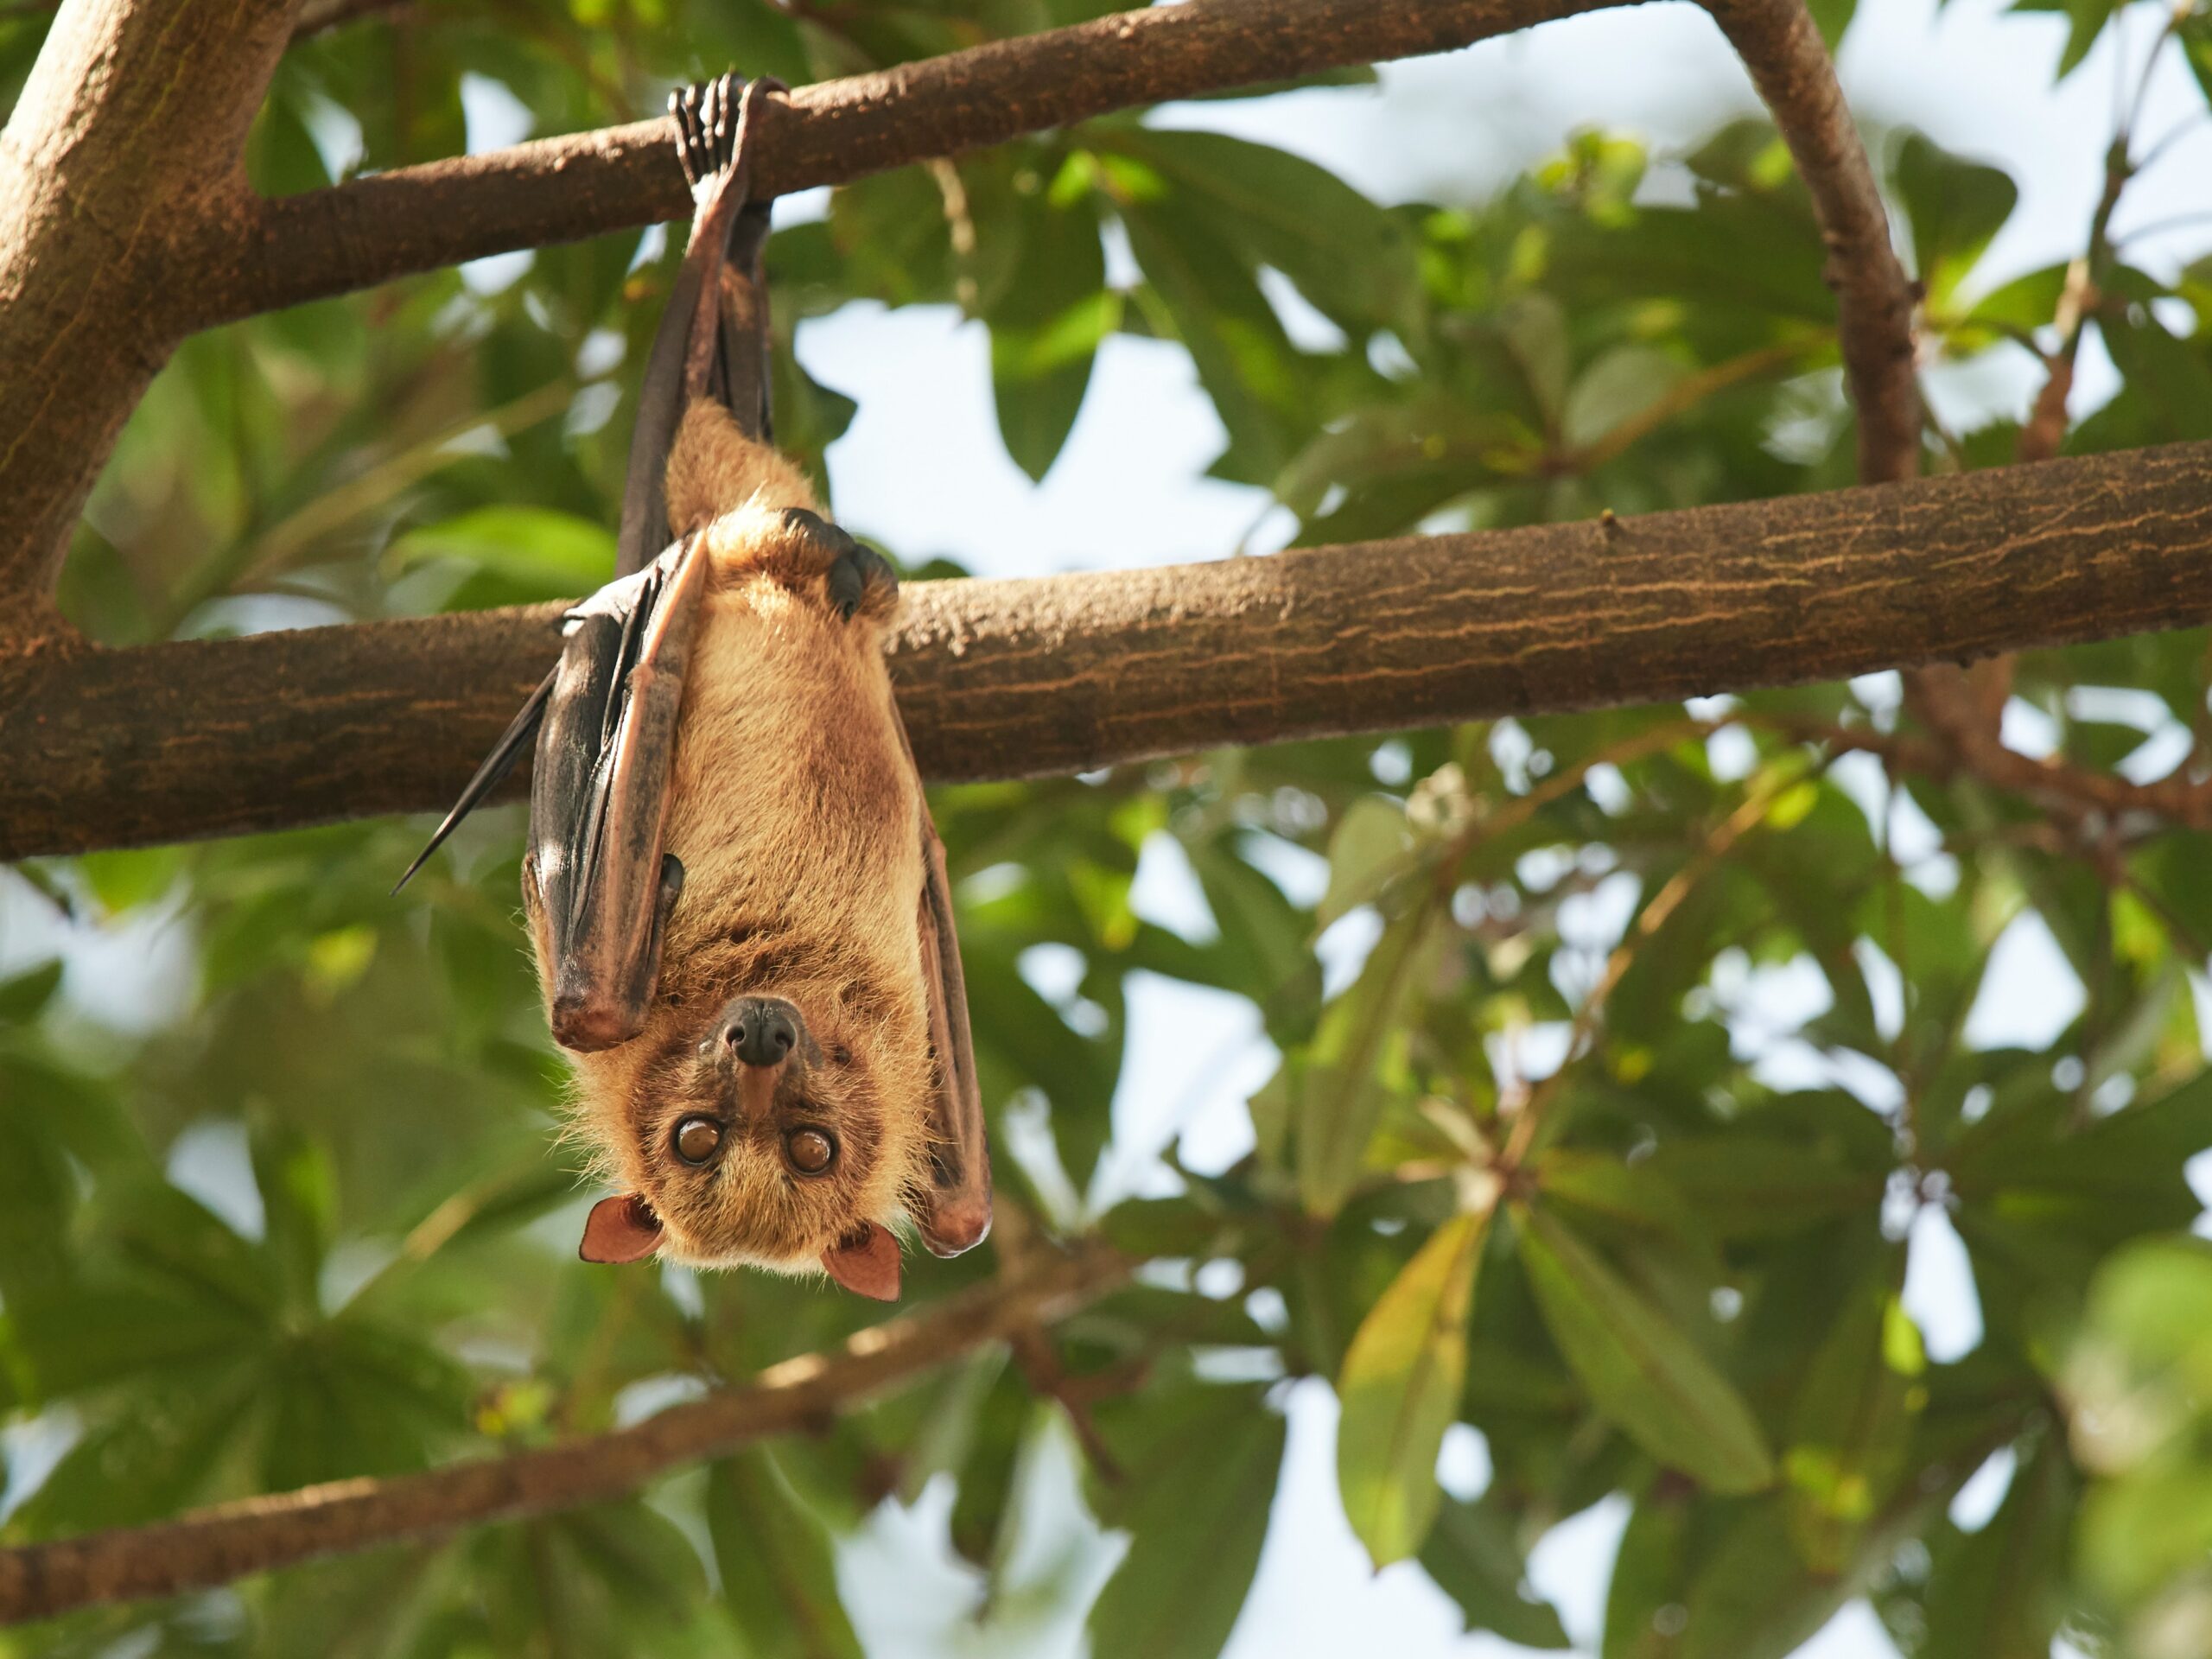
(855, 578)
(712, 120)
(706, 130)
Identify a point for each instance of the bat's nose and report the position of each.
(761, 1030)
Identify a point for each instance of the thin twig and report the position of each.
(1650, 920)
(257, 1534)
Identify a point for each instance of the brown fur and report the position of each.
(798, 822)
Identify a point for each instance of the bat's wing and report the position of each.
(600, 885)
(956, 1211)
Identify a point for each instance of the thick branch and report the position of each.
(1005, 679)
(561, 189)
(217, 1546)
(131, 121)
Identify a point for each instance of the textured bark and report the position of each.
(132, 124)
(1007, 679)
(218, 1546)
(562, 189)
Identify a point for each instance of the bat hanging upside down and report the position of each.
(736, 895)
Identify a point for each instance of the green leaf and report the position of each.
(1854, 1421)
(1834, 18)
(2194, 32)
(1346, 1077)
(171, 1439)
(1209, 298)
(1364, 851)
(1753, 1598)
(1400, 1388)
(1645, 1374)
(1744, 1184)
(1635, 1197)
(73, 1336)
(987, 1473)
(1644, 1600)
(1618, 387)
(1040, 375)
(779, 1572)
(23, 996)
(1285, 211)
(1198, 1513)
(1999, 1594)
(1471, 1555)
(1535, 327)
(1956, 207)
(536, 551)
(1049, 311)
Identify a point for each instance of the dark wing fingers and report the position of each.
(956, 1210)
(957, 1215)
(600, 808)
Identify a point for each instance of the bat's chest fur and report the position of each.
(793, 811)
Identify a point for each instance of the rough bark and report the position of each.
(219, 1546)
(131, 124)
(1005, 679)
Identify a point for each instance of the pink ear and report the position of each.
(621, 1229)
(865, 1263)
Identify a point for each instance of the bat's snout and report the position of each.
(761, 1030)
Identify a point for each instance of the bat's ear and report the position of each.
(621, 1229)
(865, 1263)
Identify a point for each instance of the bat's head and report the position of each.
(782, 1131)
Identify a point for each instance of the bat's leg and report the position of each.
(726, 351)
(713, 338)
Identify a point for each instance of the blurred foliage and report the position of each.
(1620, 1053)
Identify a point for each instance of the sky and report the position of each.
(922, 470)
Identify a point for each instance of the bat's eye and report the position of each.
(697, 1138)
(811, 1151)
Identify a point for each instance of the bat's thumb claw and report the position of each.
(957, 1224)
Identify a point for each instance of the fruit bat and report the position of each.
(736, 896)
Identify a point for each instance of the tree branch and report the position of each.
(418, 219)
(132, 120)
(217, 254)
(1790, 65)
(1006, 679)
(257, 1534)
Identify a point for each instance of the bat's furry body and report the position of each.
(797, 820)
(741, 915)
